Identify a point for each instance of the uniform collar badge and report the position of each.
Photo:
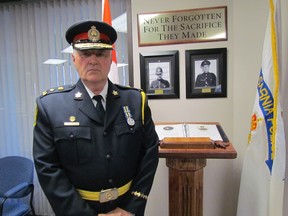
(115, 93)
(78, 96)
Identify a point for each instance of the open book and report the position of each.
(184, 134)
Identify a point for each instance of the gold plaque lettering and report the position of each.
(187, 26)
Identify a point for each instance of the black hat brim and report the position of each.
(84, 26)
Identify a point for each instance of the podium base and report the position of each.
(185, 186)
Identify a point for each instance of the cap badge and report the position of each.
(93, 34)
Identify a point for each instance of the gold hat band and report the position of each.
(85, 46)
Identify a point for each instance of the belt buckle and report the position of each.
(108, 195)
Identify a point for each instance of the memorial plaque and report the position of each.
(185, 26)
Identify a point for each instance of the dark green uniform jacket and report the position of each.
(73, 150)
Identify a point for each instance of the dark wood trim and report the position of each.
(130, 42)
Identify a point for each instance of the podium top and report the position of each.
(212, 130)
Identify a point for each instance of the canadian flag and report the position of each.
(106, 17)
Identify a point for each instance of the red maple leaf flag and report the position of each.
(106, 17)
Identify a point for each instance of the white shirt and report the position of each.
(103, 93)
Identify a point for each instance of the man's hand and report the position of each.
(117, 212)
(110, 214)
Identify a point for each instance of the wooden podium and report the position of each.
(186, 170)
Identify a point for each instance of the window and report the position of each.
(35, 57)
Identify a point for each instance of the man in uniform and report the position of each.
(205, 79)
(95, 146)
(159, 82)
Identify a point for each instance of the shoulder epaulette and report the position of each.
(128, 87)
(65, 88)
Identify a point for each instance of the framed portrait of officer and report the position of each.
(206, 73)
(160, 74)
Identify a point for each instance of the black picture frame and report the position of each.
(163, 86)
(206, 85)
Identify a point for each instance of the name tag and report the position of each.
(71, 123)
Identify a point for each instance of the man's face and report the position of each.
(206, 68)
(159, 74)
(92, 65)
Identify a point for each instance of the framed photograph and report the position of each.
(160, 74)
(206, 73)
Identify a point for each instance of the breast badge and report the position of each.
(72, 122)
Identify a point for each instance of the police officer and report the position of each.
(95, 147)
(205, 79)
(159, 82)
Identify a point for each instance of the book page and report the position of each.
(173, 130)
(203, 130)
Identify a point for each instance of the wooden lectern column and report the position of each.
(185, 186)
(186, 157)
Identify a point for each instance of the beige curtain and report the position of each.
(33, 32)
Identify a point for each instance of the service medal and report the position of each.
(130, 121)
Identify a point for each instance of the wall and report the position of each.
(246, 27)
(284, 81)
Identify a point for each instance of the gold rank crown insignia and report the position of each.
(72, 118)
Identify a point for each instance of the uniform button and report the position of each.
(110, 181)
(108, 156)
(71, 135)
(105, 133)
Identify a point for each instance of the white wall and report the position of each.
(284, 11)
(246, 27)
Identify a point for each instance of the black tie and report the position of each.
(99, 107)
